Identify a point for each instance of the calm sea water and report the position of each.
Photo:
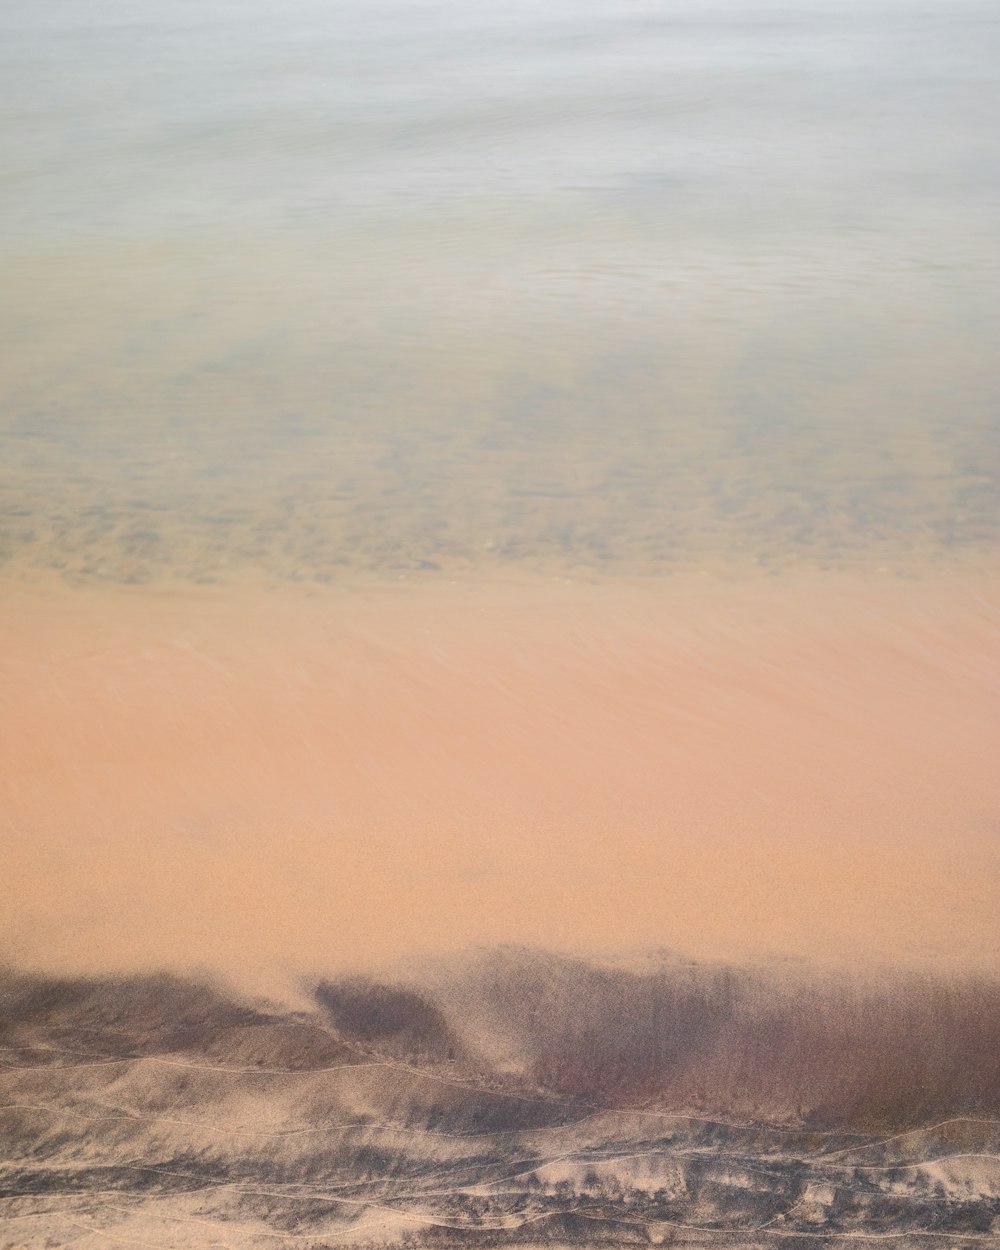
(316, 289)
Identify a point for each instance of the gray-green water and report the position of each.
(313, 289)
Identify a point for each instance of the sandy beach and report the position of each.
(499, 614)
(271, 783)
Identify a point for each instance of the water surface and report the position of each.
(325, 289)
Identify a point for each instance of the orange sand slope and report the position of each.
(271, 782)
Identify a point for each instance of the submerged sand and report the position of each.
(267, 782)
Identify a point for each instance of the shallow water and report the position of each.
(691, 305)
(317, 290)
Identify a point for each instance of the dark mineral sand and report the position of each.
(271, 782)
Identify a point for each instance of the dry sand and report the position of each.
(267, 782)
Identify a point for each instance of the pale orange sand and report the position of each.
(266, 782)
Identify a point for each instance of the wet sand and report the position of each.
(272, 782)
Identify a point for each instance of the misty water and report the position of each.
(404, 287)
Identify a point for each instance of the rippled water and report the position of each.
(320, 288)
